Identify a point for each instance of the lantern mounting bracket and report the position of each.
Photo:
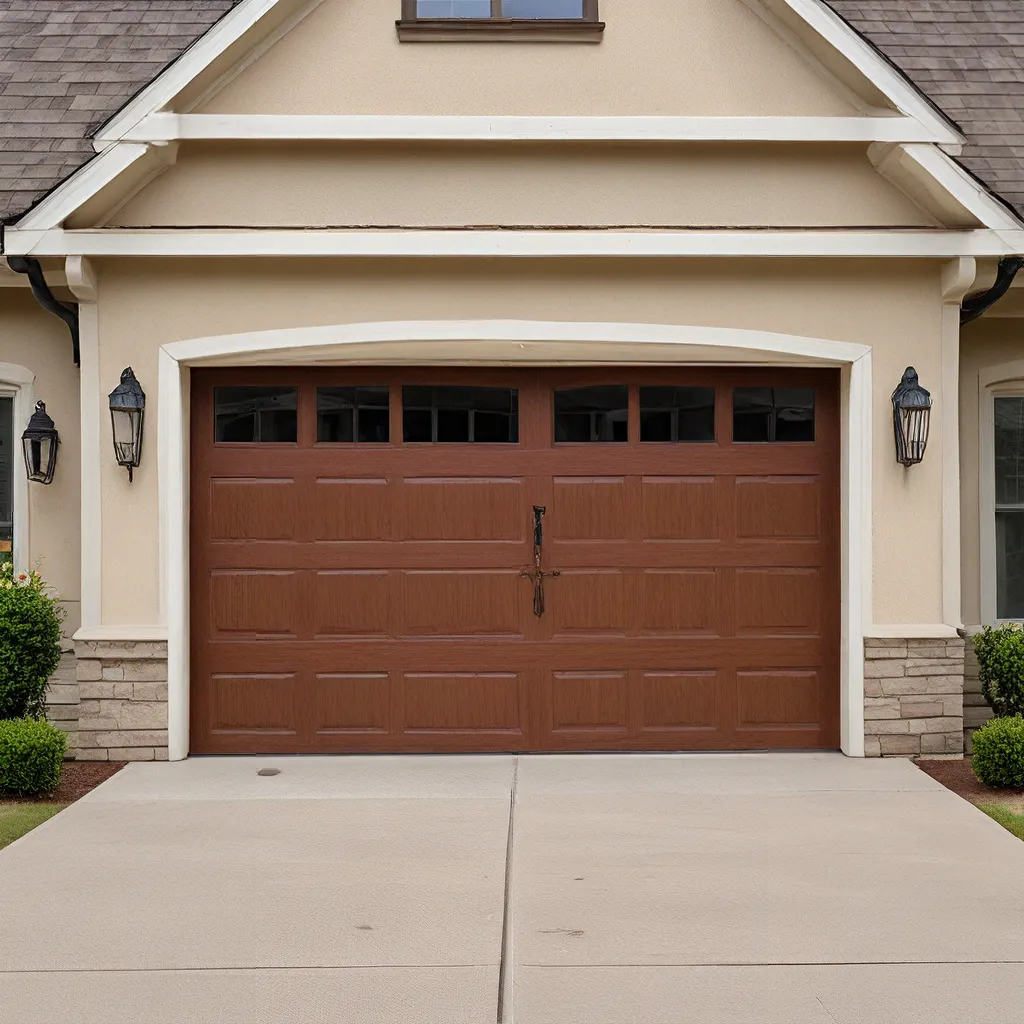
(45, 297)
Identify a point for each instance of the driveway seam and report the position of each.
(505, 1014)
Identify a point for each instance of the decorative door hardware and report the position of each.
(536, 573)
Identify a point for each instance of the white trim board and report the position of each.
(417, 243)
(169, 127)
(340, 343)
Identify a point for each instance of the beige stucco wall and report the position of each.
(894, 306)
(667, 57)
(985, 345)
(521, 184)
(40, 342)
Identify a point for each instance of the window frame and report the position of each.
(412, 28)
(18, 382)
(988, 554)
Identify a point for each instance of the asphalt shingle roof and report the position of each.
(967, 56)
(66, 66)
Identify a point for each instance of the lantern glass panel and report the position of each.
(914, 427)
(127, 424)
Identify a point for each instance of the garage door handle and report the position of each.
(537, 574)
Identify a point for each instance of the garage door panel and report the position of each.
(590, 508)
(254, 704)
(253, 509)
(779, 507)
(351, 509)
(681, 701)
(352, 703)
(778, 602)
(590, 701)
(352, 604)
(681, 602)
(779, 698)
(464, 509)
(455, 604)
(463, 702)
(681, 508)
(260, 603)
(591, 602)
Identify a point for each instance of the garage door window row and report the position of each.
(488, 415)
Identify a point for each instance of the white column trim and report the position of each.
(18, 382)
(348, 343)
(82, 282)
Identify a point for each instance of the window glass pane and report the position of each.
(773, 414)
(453, 9)
(256, 414)
(542, 8)
(460, 415)
(8, 464)
(1010, 563)
(1009, 423)
(592, 414)
(677, 414)
(352, 415)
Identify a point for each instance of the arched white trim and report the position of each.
(514, 342)
(18, 382)
(1006, 379)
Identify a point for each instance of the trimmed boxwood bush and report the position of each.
(30, 617)
(1001, 668)
(999, 752)
(31, 756)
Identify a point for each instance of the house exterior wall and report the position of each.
(38, 341)
(699, 57)
(528, 184)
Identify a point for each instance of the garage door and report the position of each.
(438, 560)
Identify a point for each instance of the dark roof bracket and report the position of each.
(975, 306)
(46, 298)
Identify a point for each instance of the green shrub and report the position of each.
(30, 617)
(1001, 668)
(31, 756)
(999, 752)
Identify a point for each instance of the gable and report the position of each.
(657, 57)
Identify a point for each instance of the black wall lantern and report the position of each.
(40, 442)
(911, 413)
(127, 414)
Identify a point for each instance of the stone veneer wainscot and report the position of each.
(122, 711)
(913, 697)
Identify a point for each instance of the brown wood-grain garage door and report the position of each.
(359, 539)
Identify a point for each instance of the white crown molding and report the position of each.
(417, 243)
(169, 127)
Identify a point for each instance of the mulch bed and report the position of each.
(76, 779)
(960, 778)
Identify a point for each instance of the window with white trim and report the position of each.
(1009, 505)
(7, 468)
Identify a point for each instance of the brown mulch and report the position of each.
(960, 778)
(76, 779)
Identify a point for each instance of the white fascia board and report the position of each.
(202, 243)
(168, 127)
(162, 90)
(82, 186)
(964, 188)
(903, 95)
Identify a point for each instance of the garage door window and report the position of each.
(769, 415)
(460, 415)
(353, 415)
(592, 414)
(256, 414)
(677, 414)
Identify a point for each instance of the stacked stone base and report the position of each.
(914, 697)
(62, 700)
(122, 711)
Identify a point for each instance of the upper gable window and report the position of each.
(461, 20)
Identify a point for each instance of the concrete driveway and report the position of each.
(799, 889)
